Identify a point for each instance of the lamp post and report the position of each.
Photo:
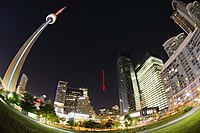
(75, 105)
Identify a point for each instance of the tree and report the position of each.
(116, 124)
(109, 124)
(71, 122)
(129, 121)
(2, 93)
(27, 103)
(90, 124)
(14, 98)
(134, 121)
(52, 117)
(48, 112)
(62, 119)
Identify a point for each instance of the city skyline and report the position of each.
(89, 48)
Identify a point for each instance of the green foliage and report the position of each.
(2, 92)
(71, 122)
(62, 119)
(116, 124)
(187, 125)
(188, 108)
(27, 103)
(129, 121)
(109, 124)
(48, 112)
(12, 121)
(100, 125)
(14, 98)
(90, 124)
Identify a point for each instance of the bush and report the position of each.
(187, 109)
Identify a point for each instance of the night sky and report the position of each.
(85, 39)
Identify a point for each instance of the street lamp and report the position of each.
(187, 94)
(10, 95)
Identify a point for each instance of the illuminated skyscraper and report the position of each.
(173, 43)
(60, 97)
(61, 92)
(22, 84)
(181, 16)
(128, 96)
(71, 100)
(186, 16)
(181, 72)
(194, 11)
(150, 82)
(11, 77)
(84, 104)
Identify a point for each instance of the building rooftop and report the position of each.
(147, 55)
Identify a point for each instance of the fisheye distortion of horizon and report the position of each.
(84, 40)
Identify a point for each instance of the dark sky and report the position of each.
(85, 39)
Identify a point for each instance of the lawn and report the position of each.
(188, 125)
(152, 125)
(13, 122)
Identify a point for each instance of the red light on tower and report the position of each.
(103, 82)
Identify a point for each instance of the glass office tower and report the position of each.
(128, 93)
(150, 82)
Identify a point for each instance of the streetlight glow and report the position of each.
(10, 95)
(187, 94)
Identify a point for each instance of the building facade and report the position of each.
(181, 72)
(61, 91)
(60, 96)
(71, 101)
(150, 82)
(193, 10)
(127, 93)
(22, 84)
(181, 16)
(173, 43)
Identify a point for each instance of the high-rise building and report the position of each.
(60, 97)
(85, 91)
(61, 91)
(71, 100)
(181, 16)
(84, 106)
(181, 72)
(186, 16)
(182, 22)
(127, 93)
(150, 82)
(173, 43)
(11, 76)
(193, 10)
(22, 84)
